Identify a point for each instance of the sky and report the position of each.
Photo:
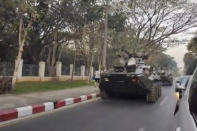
(178, 51)
(192, 1)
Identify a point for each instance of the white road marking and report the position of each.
(164, 100)
(141, 129)
(178, 129)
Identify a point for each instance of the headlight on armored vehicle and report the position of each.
(106, 79)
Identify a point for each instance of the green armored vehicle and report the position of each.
(130, 77)
(166, 77)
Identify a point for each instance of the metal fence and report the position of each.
(6, 69)
(50, 71)
(30, 70)
(77, 71)
(86, 72)
(65, 70)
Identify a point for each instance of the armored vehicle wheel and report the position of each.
(152, 96)
(170, 83)
(159, 91)
(103, 94)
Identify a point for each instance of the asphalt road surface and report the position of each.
(107, 115)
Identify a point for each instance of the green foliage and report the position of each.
(8, 30)
(29, 87)
(192, 45)
(5, 84)
(190, 63)
(161, 60)
(117, 22)
(190, 60)
(80, 21)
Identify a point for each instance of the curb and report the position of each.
(48, 106)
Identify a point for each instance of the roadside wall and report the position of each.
(62, 78)
(41, 72)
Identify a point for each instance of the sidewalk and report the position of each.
(10, 101)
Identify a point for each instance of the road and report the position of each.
(106, 115)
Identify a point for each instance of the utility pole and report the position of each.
(106, 35)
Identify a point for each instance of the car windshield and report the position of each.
(184, 81)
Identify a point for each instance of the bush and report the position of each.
(5, 84)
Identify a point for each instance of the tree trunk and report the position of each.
(52, 56)
(100, 59)
(21, 40)
(53, 61)
(60, 52)
(48, 62)
(105, 37)
(90, 66)
(74, 62)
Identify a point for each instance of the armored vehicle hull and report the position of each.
(128, 84)
(166, 80)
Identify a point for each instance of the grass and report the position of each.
(29, 87)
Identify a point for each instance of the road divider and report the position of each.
(48, 106)
(83, 98)
(24, 111)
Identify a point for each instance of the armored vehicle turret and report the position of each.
(129, 76)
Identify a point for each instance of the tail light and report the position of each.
(134, 80)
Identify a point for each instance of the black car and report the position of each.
(186, 109)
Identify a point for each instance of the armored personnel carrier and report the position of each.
(166, 77)
(129, 77)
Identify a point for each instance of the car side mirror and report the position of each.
(180, 89)
(178, 82)
(179, 94)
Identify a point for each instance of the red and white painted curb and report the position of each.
(49, 106)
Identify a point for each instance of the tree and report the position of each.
(106, 32)
(192, 45)
(162, 60)
(26, 16)
(190, 63)
(8, 30)
(155, 21)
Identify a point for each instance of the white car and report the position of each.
(185, 114)
(181, 83)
